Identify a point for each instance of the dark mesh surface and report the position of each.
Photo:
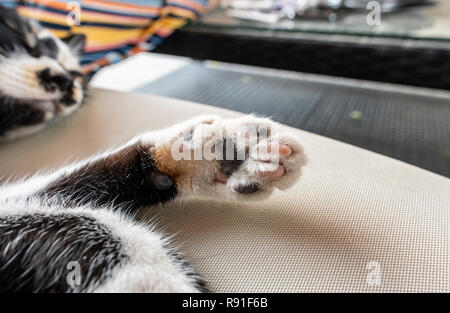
(405, 62)
(411, 128)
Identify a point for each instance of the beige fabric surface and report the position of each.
(356, 221)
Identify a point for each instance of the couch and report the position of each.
(356, 221)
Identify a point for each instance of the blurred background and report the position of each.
(374, 74)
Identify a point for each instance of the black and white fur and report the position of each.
(83, 212)
(40, 75)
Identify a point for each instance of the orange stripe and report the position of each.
(39, 14)
(164, 32)
(61, 19)
(95, 48)
(51, 3)
(151, 11)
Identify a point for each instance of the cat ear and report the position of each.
(76, 43)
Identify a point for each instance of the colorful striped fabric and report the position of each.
(114, 29)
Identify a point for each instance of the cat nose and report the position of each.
(64, 83)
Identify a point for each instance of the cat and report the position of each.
(81, 216)
(40, 75)
(83, 212)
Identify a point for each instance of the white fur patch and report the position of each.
(149, 267)
(18, 77)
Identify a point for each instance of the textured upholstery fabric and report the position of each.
(356, 221)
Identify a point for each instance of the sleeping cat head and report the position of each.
(37, 67)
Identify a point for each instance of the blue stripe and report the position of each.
(54, 26)
(117, 26)
(94, 56)
(8, 4)
(155, 40)
(86, 8)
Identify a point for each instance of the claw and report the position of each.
(246, 189)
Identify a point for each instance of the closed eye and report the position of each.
(75, 74)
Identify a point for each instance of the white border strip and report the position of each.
(137, 71)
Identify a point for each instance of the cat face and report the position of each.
(36, 65)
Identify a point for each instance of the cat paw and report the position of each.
(236, 158)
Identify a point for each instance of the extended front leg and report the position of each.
(240, 158)
(126, 177)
